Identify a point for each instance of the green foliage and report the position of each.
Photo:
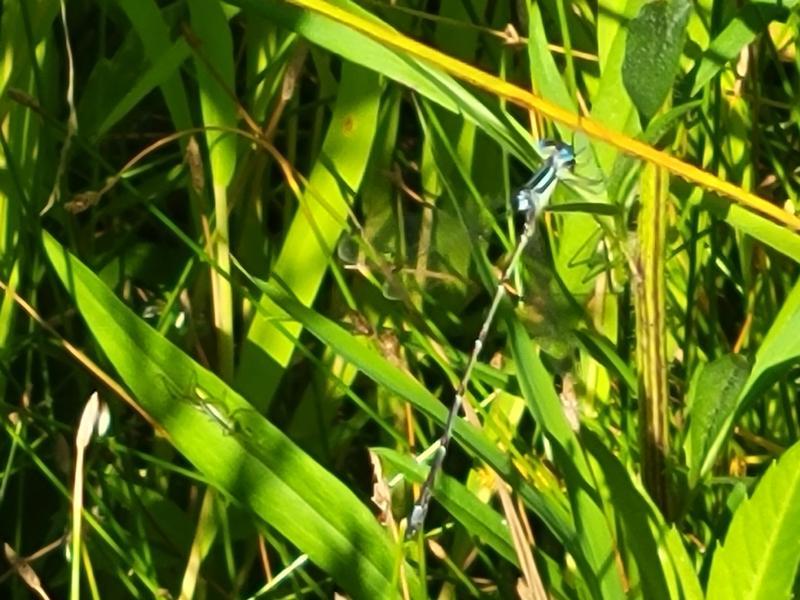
(761, 552)
(233, 446)
(267, 233)
(654, 46)
(712, 399)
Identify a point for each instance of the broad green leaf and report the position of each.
(655, 42)
(713, 397)
(761, 552)
(235, 448)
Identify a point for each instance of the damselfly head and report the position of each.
(565, 158)
(560, 154)
(551, 147)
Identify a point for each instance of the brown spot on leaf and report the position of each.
(348, 125)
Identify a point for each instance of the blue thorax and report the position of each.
(559, 160)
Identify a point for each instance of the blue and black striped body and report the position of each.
(534, 196)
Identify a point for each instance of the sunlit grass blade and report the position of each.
(238, 450)
(315, 230)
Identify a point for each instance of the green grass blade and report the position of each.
(18, 36)
(148, 23)
(611, 105)
(780, 349)
(476, 517)
(545, 74)
(377, 368)
(637, 517)
(311, 239)
(751, 19)
(236, 449)
(160, 73)
(360, 49)
(593, 534)
(603, 351)
(775, 236)
(215, 77)
(781, 346)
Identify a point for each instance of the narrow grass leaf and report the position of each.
(16, 35)
(612, 105)
(340, 38)
(149, 24)
(592, 127)
(685, 583)
(623, 176)
(611, 19)
(315, 229)
(545, 75)
(237, 450)
(213, 54)
(158, 74)
(591, 527)
(639, 519)
(215, 76)
(779, 350)
(603, 351)
(377, 368)
(774, 235)
(476, 517)
(751, 20)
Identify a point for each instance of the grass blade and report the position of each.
(238, 450)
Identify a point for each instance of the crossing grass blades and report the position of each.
(531, 200)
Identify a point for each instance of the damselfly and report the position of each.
(530, 200)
